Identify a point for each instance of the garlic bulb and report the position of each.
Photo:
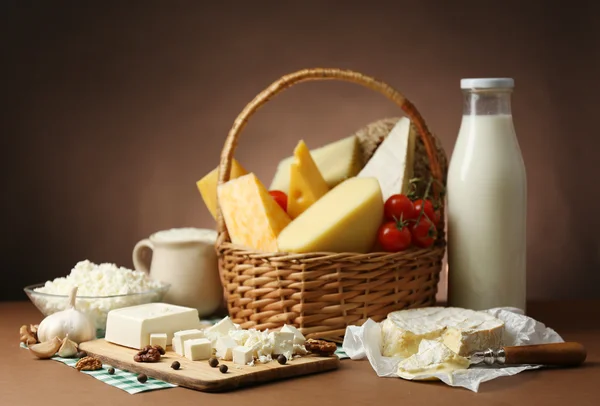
(69, 321)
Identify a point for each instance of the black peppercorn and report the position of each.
(142, 378)
(81, 354)
(281, 359)
(223, 368)
(213, 362)
(111, 371)
(175, 365)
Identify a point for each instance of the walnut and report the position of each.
(150, 353)
(320, 347)
(88, 364)
(28, 334)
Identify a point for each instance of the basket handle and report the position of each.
(320, 74)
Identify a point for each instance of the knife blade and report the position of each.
(556, 354)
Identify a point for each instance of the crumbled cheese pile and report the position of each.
(100, 280)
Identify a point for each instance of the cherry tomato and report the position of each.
(399, 207)
(394, 236)
(423, 233)
(280, 197)
(431, 213)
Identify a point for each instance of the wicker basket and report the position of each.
(322, 293)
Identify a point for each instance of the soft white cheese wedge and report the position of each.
(197, 349)
(242, 355)
(298, 336)
(181, 336)
(433, 358)
(393, 161)
(462, 330)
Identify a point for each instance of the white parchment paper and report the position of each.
(365, 341)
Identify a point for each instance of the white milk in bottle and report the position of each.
(487, 202)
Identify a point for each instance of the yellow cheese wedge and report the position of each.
(336, 161)
(344, 220)
(306, 182)
(253, 218)
(208, 185)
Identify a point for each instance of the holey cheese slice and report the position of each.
(306, 182)
(207, 186)
(336, 161)
(346, 219)
(463, 331)
(251, 215)
(393, 162)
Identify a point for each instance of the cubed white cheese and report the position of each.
(222, 328)
(159, 339)
(283, 343)
(242, 355)
(298, 336)
(197, 349)
(224, 347)
(132, 326)
(181, 336)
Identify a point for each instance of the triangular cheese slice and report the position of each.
(337, 161)
(306, 182)
(393, 162)
(253, 218)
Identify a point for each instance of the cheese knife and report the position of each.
(556, 354)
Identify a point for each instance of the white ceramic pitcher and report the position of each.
(185, 258)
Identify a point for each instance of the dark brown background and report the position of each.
(114, 109)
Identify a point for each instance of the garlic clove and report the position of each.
(68, 348)
(47, 349)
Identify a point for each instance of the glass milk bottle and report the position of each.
(487, 202)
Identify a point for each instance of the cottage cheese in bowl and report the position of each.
(101, 288)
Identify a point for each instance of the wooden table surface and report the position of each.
(26, 381)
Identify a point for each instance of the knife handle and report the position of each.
(559, 354)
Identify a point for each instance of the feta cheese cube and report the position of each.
(181, 336)
(197, 349)
(298, 336)
(225, 346)
(242, 355)
(222, 328)
(283, 343)
(159, 339)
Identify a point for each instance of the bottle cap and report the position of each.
(487, 83)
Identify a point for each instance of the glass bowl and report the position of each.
(95, 307)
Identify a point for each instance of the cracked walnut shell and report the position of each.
(88, 364)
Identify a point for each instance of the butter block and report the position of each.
(158, 339)
(197, 349)
(306, 182)
(463, 331)
(346, 219)
(393, 161)
(336, 161)
(298, 336)
(180, 337)
(253, 217)
(207, 186)
(132, 326)
(242, 355)
(224, 347)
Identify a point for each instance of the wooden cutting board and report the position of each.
(199, 375)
